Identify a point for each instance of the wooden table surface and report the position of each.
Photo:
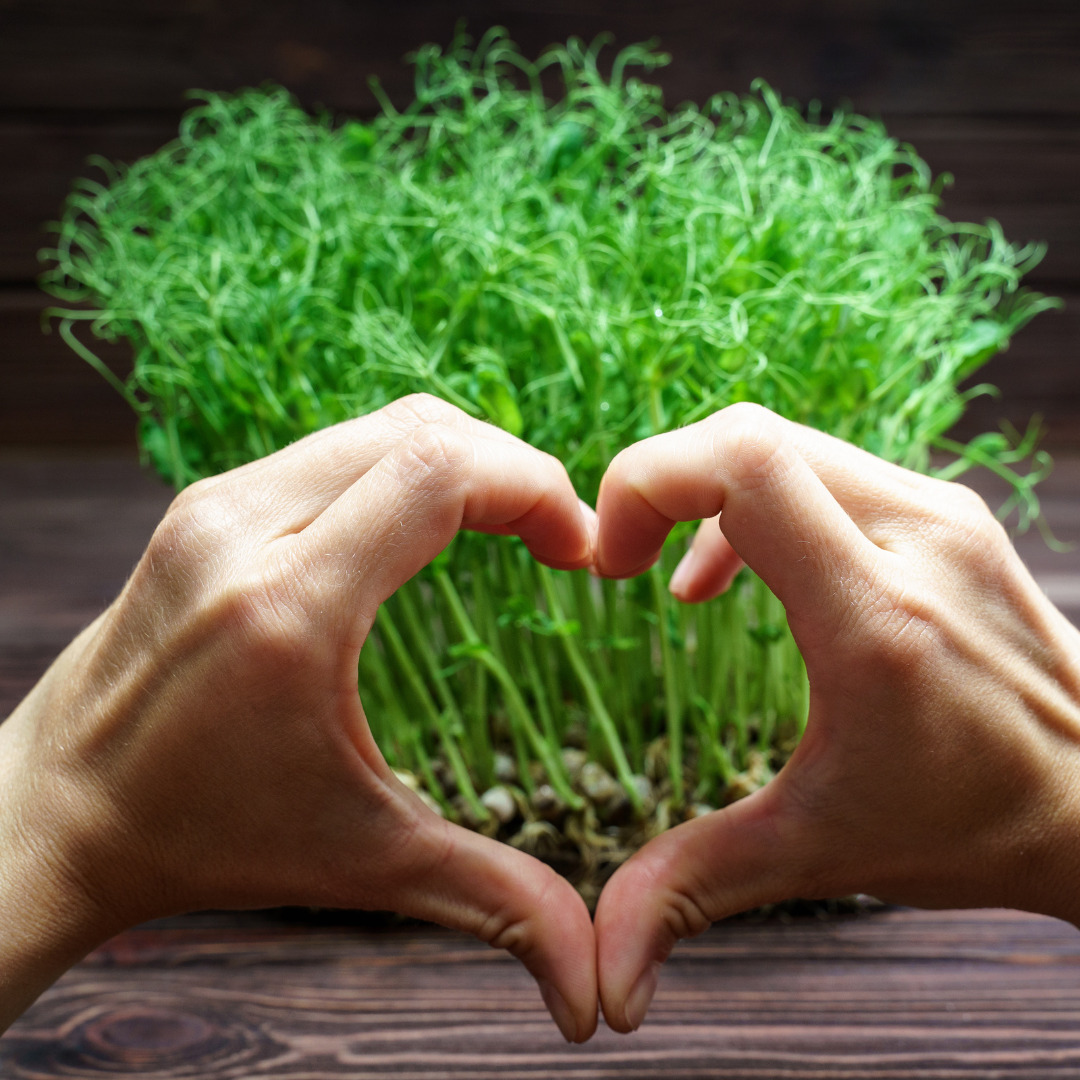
(885, 994)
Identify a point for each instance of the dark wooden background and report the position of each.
(985, 89)
(989, 91)
(900, 995)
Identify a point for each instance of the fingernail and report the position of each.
(560, 1011)
(638, 1000)
(684, 573)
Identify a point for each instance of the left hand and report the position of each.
(202, 744)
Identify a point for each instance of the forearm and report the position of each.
(1047, 862)
(48, 919)
(44, 933)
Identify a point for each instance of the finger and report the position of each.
(708, 568)
(777, 513)
(592, 526)
(514, 902)
(893, 506)
(404, 510)
(674, 887)
(858, 479)
(285, 491)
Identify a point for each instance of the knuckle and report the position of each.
(174, 550)
(197, 516)
(684, 916)
(959, 521)
(967, 499)
(421, 408)
(552, 463)
(748, 441)
(187, 557)
(437, 451)
(516, 930)
(192, 495)
(622, 467)
(504, 930)
(975, 522)
(685, 898)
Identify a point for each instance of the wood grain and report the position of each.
(889, 995)
(71, 530)
(989, 91)
(973, 57)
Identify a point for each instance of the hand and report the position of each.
(941, 760)
(202, 743)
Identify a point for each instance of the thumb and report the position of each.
(675, 886)
(511, 901)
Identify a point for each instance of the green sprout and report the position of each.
(584, 272)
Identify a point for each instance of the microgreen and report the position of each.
(583, 271)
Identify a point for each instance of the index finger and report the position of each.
(287, 490)
(407, 507)
(778, 514)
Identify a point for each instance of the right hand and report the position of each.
(941, 760)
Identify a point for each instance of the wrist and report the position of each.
(1044, 871)
(50, 917)
(49, 924)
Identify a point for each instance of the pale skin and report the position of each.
(202, 743)
(941, 761)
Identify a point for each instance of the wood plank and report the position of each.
(893, 994)
(1022, 173)
(71, 531)
(52, 397)
(985, 58)
(43, 161)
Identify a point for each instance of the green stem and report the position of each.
(628, 706)
(525, 645)
(439, 720)
(515, 703)
(480, 752)
(735, 637)
(592, 693)
(431, 781)
(712, 747)
(672, 705)
(381, 701)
